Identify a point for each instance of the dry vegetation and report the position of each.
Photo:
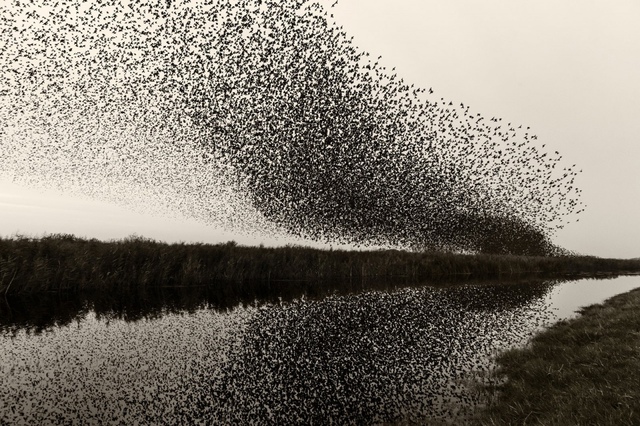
(66, 263)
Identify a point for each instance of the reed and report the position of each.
(57, 263)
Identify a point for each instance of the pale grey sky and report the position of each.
(567, 69)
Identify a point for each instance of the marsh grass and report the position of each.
(66, 263)
(585, 371)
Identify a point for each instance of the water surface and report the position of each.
(402, 354)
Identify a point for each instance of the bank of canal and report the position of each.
(582, 371)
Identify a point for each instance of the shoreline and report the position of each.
(584, 370)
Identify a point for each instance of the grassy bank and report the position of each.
(585, 371)
(66, 263)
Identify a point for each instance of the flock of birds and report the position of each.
(263, 116)
(405, 356)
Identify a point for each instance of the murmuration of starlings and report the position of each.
(263, 116)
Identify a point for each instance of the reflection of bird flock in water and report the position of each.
(262, 116)
(407, 357)
(399, 357)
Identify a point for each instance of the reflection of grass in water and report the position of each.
(582, 371)
(38, 312)
(65, 263)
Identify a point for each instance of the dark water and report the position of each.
(183, 357)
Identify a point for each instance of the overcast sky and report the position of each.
(568, 69)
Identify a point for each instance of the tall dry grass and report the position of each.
(66, 263)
